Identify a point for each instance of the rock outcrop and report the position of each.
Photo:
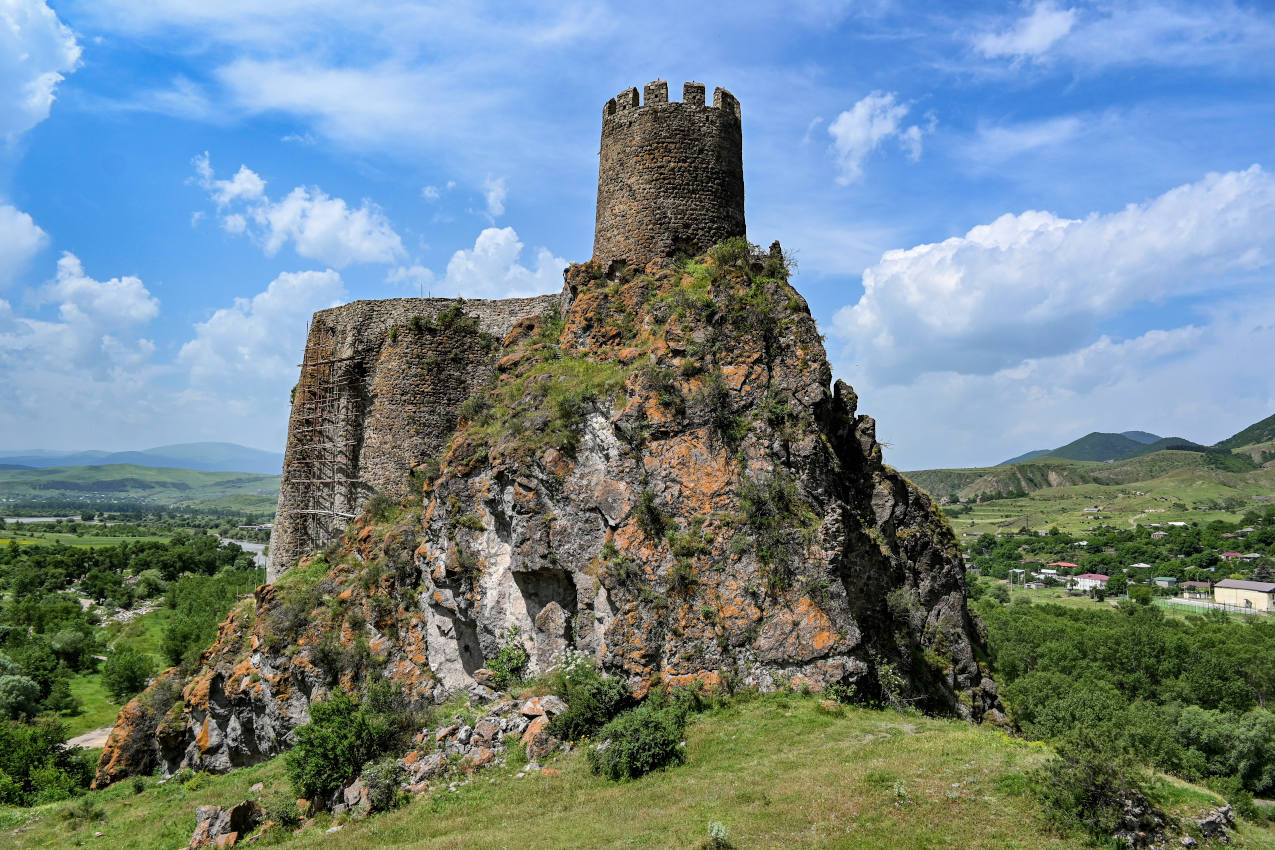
(663, 476)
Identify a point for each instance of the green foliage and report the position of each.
(382, 779)
(126, 672)
(717, 402)
(19, 697)
(281, 808)
(663, 382)
(199, 604)
(650, 516)
(470, 521)
(736, 251)
(639, 741)
(511, 659)
(1092, 786)
(340, 739)
(36, 766)
(381, 507)
(592, 701)
(779, 522)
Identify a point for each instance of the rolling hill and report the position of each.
(210, 457)
(140, 484)
(1258, 432)
(1101, 446)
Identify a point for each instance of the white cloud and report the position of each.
(252, 346)
(862, 128)
(20, 240)
(492, 270)
(1165, 33)
(430, 193)
(318, 226)
(36, 51)
(494, 192)
(1202, 381)
(1030, 36)
(1035, 284)
(102, 305)
(999, 142)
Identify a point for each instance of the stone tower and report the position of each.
(670, 175)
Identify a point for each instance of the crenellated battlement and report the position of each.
(670, 174)
(656, 94)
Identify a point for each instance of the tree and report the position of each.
(126, 672)
(19, 697)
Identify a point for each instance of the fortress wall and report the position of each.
(670, 175)
(378, 396)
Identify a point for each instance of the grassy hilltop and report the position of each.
(129, 483)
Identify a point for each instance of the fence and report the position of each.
(1204, 604)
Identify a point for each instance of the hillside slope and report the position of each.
(777, 772)
(1258, 432)
(132, 483)
(210, 457)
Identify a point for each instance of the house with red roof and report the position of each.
(1090, 581)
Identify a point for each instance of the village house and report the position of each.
(1090, 581)
(1197, 589)
(1258, 595)
(1165, 581)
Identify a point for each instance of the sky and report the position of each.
(1015, 223)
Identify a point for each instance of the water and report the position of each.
(255, 548)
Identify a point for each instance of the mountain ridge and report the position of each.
(200, 456)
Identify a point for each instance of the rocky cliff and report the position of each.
(663, 475)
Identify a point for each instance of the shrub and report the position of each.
(126, 672)
(1092, 786)
(511, 659)
(382, 779)
(36, 766)
(381, 507)
(650, 517)
(732, 252)
(281, 807)
(592, 701)
(341, 737)
(638, 742)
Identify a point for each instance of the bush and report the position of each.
(382, 779)
(638, 742)
(36, 766)
(592, 701)
(1092, 786)
(511, 659)
(341, 737)
(126, 672)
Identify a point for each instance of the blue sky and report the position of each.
(1015, 223)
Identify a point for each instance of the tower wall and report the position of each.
(379, 393)
(670, 175)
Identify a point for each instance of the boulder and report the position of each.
(541, 706)
(222, 826)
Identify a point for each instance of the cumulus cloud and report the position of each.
(90, 364)
(1203, 381)
(36, 52)
(318, 226)
(20, 240)
(256, 341)
(1035, 284)
(1030, 36)
(867, 125)
(414, 276)
(492, 270)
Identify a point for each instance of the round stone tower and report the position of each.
(670, 175)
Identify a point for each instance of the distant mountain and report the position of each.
(1101, 446)
(1258, 432)
(124, 483)
(207, 457)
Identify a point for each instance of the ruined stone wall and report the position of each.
(378, 396)
(670, 175)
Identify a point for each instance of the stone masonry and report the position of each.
(670, 175)
(379, 395)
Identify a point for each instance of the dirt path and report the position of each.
(91, 740)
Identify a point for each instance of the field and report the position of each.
(128, 483)
(777, 771)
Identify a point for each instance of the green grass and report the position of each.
(777, 771)
(154, 485)
(97, 707)
(45, 538)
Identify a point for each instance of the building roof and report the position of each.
(1166, 578)
(1196, 584)
(1241, 584)
(1098, 576)
(1140, 566)
(1232, 555)
(1063, 564)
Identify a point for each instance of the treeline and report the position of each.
(1190, 697)
(47, 637)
